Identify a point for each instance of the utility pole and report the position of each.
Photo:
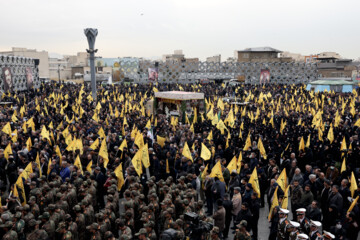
(91, 34)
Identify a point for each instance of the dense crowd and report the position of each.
(74, 167)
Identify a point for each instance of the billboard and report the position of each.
(29, 78)
(153, 74)
(7, 78)
(264, 76)
(356, 75)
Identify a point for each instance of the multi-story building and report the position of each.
(261, 54)
(176, 57)
(214, 59)
(41, 56)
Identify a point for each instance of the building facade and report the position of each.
(41, 56)
(261, 54)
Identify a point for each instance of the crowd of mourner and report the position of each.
(75, 167)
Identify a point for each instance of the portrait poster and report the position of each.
(29, 78)
(153, 74)
(264, 76)
(7, 77)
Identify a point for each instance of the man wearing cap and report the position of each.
(241, 232)
(149, 226)
(124, 230)
(80, 221)
(314, 230)
(64, 233)
(9, 233)
(214, 233)
(302, 236)
(292, 230)
(36, 234)
(94, 231)
(141, 235)
(328, 235)
(283, 223)
(48, 224)
(304, 222)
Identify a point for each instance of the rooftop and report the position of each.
(261, 49)
(179, 95)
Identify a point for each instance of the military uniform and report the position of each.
(242, 236)
(38, 234)
(282, 229)
(315, 236)
(49, 227)
(304, 226)
(126, 232)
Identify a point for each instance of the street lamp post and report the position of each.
(91, 34)
(59, 72)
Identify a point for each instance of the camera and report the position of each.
(197, 228)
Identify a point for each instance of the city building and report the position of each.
(41, 56)
(261, 54)
(333, 67)
(177, 56)
(214, 59)
(297, 57)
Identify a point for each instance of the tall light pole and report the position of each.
(91, 34)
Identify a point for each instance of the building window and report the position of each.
(245, 55)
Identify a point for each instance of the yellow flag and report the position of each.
(148, 125)
(357, 123)
(95, 144)
(302, 144)
(160, 140)
(343, 166)
(205, 152)
(51, 126)
(353, 204)
(88, 167)
(8, 151)
(232, 164)
(353, 185)
(49, 164)
(44, 133)
(217, 172)
(103, 152)
(186, 152)
(119, 174)
(136, 162)
(58, 153)
(122, 145)
(330, 135)
(29, 144)
(238, 163)
(139, 140)
(28, 170)
(285, 200)
(101, 133)
(247, 143)
(255, 182)
(210, 136)
(275, 202)
(77, 163)
(204, 173)
(343, 145)
(261, 148)
(282, 180)
(145, 156)
(38, 164)
(7, 129)
(167, 166)
(308, 141)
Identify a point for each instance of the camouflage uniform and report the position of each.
(242, 236)
(38, 234)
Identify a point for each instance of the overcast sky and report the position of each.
(201, 28)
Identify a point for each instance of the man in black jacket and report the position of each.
(255, 210)
(227, 204)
